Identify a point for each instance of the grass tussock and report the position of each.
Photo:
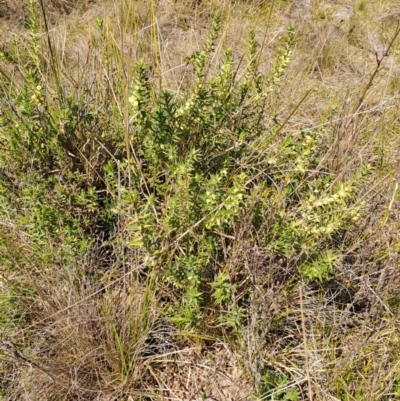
(199, 200)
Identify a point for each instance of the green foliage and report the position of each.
(190, 150)
(178, 183)
(199, 160)
(321, 268)
(278, 387)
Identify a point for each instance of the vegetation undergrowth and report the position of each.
(145, 230)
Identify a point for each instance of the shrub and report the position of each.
(136, 207)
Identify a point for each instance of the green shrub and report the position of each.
(183, 188)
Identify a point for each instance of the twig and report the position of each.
(12, 350)
(303, 328)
